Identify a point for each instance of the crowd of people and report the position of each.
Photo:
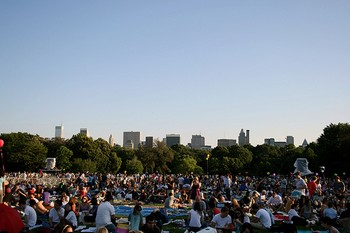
(241, 203)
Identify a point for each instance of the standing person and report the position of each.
(284, 185)
(339, 186)
(106, 213)
(135, 219)
(171, 186)
(222, 221)
(195, 217)
(312, 186)
(195, 188)
(300, 183)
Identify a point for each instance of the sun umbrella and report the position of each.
(10, 220)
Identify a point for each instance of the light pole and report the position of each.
(208, 156)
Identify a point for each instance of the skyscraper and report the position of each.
(132, 138)
(149, 142)
(59, 131)
(197, 141)
(241, 138)
(84, 131)
(172, 139)
(247, 135)
(111, 140)
(290, 140)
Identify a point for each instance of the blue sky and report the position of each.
(276, 68)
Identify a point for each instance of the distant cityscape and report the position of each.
(132, 140)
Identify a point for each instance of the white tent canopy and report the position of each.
(301, 165)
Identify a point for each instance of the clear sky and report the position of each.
(206, 67)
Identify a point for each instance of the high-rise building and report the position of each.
(172, 139)
(149, 142)
(247, 135)
(241, 138)
(197, 141)
(84, 131)
(227, 142)
(270, 141)
(290, 140)
(111, 140)
(132, 138)
(59, 131)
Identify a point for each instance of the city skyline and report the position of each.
(199, 140)
(208, 68)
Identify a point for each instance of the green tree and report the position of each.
(163, 155)
(334, 147)
(134, 166)
(114, 163)
(84, 165)
(63, 159)
(23, 152)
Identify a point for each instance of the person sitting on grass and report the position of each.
(327, 222)
(222, 221)
(135, 219)
(262, 219)
(172, 202)
(150, 226)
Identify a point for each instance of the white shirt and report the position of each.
(275, 200)
(195, 220)
(55, 216)
(104, 212)
(292, 213)
(221, 222)
(264, 217)
(301, 185)
(31, 216)
(71, 217)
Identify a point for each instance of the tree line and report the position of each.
(26, 152)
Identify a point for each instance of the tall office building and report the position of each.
(241, 138)
(247, 135)
(149, 142)
(84, 131)
(132, 138)
(59, 131)
(111, 140)
(270, 141)
(290, 140)
(227, 142)
(172, 139)
(197, 141)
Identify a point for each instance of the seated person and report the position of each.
(262, 219)
(30, 214)
(150, 226)
(275, 201)
(222, 221)
(171, 202)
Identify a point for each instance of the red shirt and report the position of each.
(312, 186)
